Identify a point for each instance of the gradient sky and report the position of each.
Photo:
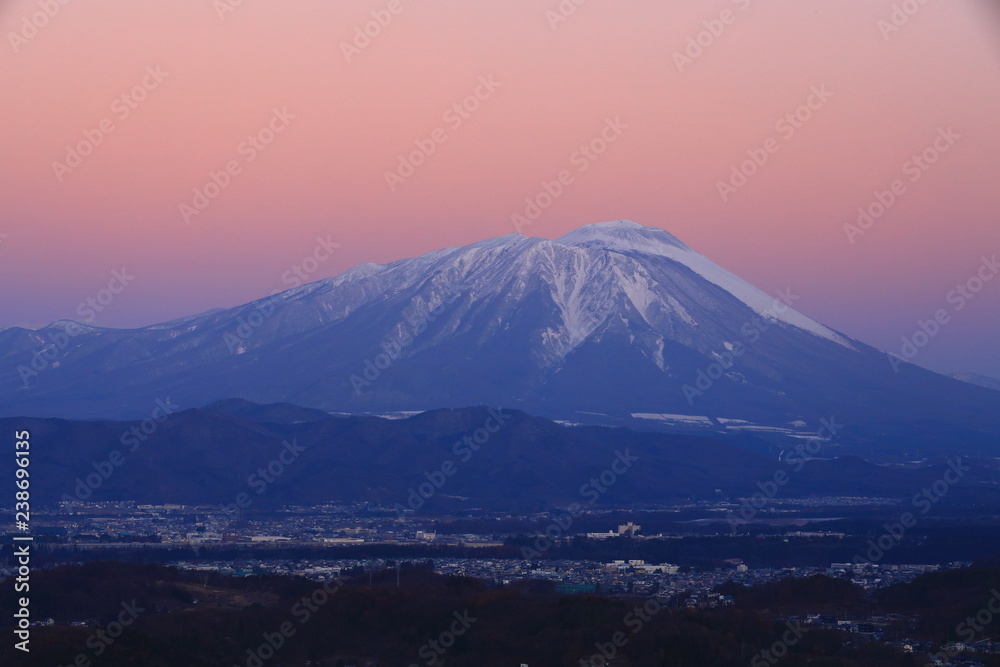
(323, 176)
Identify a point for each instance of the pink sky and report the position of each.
(324, 173)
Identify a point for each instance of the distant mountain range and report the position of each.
(614, 323)
(441, 460)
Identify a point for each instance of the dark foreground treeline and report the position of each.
(157, 616)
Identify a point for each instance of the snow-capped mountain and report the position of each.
(610, 320)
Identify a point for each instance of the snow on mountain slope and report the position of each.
(626, 236)
(611, 318)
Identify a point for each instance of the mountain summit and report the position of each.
(623, 235)
(610, 320)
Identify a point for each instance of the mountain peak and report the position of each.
(512, 319)
(618, 224)
(623, 235)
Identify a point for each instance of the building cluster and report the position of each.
(624, 530)
(213, 530)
